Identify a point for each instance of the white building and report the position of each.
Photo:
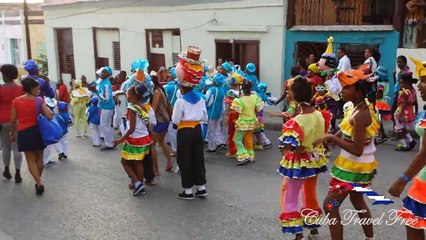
(86, 35)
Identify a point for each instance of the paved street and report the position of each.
(87, 198)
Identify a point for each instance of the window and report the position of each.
(355, 52)
(15, 51)
(116, 53)
(157, 39)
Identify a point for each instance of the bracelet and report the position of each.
(405, 178)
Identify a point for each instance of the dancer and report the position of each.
(414, 204)
(246, 106)
(52, 104)
(215, 97)
(188, 112)
(262, 141)
(64, 119)
(356, 163)
(24, 120)
(93, 115)
(79, 99)
(9, 91)
(301, 162)
(137, 140)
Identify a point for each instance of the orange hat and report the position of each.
(140, 75)
(347, 79)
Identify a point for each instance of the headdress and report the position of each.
(227, 66)
(420, 67)
(94, 100)
(219, 79)
(235, 79)
(62, 106)
(347, 79)
(328, 58)
(30, 66)
(250, 68)
(211, 71)
(190, 69)
(262, 86)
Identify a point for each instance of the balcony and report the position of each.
(340, 12)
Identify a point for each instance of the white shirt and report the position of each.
(344, 63)
(185, 111)
(141, 129)
(372, 62)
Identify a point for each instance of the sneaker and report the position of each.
(412, 144)
(139, 190)
(6, 174)
(18, 178)
(201, 193)
(220, 147)
(62, 156)
(50, 163)
(210, 151)
(245, 160)
(185, 196)
(401, 148)
(267, 146)
(107, 148)
(258, 147)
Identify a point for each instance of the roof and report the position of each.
(148, 3)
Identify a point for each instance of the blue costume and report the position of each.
(251, 70)
(45, 90)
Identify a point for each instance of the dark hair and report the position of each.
(408, 78)
(342, 49)
(246, 87)
(368, 90)
(302, 90)
(302, 63)
(9, 72)
(403, 59)
(375, 53)
(295, 70)
(29, 84)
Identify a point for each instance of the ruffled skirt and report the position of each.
(414, 205)
(302, 165)
(136, 149)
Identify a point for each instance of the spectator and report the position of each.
(8, 92)
(303, 67)
(344, 61)
(311, 59)
(62, 92)
(372, 58)
(83, 81)
(24, 120)
(45, 90)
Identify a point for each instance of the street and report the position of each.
(87, 198)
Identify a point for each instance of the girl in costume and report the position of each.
(404, 115)
(137, 139)
(301, 162)
(384, 111)
(262, 141)
(231, 115)
(414, 204)
(246, 106)
(79, 99)
(356, 163)
(214, 104)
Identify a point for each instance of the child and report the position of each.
(79, 99)
(301, 162)
(137, 139)
(384, 109)
(356, 163)
(414, 204)
(188, 112)
(51, 103)
(93, 116)
(262, 142)
(231, 115)
(214, 103)
(65, 121)
(404, 115)
(246, 106)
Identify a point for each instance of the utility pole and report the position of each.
(27, 30)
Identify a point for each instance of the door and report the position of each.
(66, 51)
(241, 51)
(156, 61)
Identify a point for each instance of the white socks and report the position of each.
(408, 137)
(188, 190)
(403, 142)
(201, 188)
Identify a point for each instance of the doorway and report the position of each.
(241, 51)
(65, 52)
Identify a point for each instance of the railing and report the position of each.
(339, 12)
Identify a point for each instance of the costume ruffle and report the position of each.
(136, 148)
(139, 112)
(349, 177)
(371, 131)
(292, 134)
(292, 223)
(354, 167)
(302, 165)
(414, 205)
(246, 124)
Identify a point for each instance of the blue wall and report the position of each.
(388, 41)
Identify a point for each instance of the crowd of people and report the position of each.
(190, 105)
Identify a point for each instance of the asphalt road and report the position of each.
(87, 198)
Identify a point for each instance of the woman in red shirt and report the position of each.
(24, 120)
(9, 91)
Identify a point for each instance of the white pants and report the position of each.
(62, 145)
(46, 154)
(95, 134)
(118, 115)
(106, 129)
(265, 140)
(123, 126)
(171, 137)
(214, 134)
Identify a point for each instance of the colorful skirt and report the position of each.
(135, 149)
(302, 165)
(414, 205)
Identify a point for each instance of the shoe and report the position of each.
(412, 144)
(18, 178)
(39, 189)
(381, 140)
(401, 148)
(210, 151)
(185, 196)
(258, 147)
(50, 163)
(252, 160)
(107, 148)
(6, 174)
(201, 194)
(267, 146)
(78, 136)
(220, 147)
(245, 160)
(139, 190)
(62, 156)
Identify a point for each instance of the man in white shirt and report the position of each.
(344, 61)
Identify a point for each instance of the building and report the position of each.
(354, 24)
(91, 34)
(13, 48)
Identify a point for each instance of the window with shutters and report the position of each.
(157, 38)
(117, 55)
(15, 51)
